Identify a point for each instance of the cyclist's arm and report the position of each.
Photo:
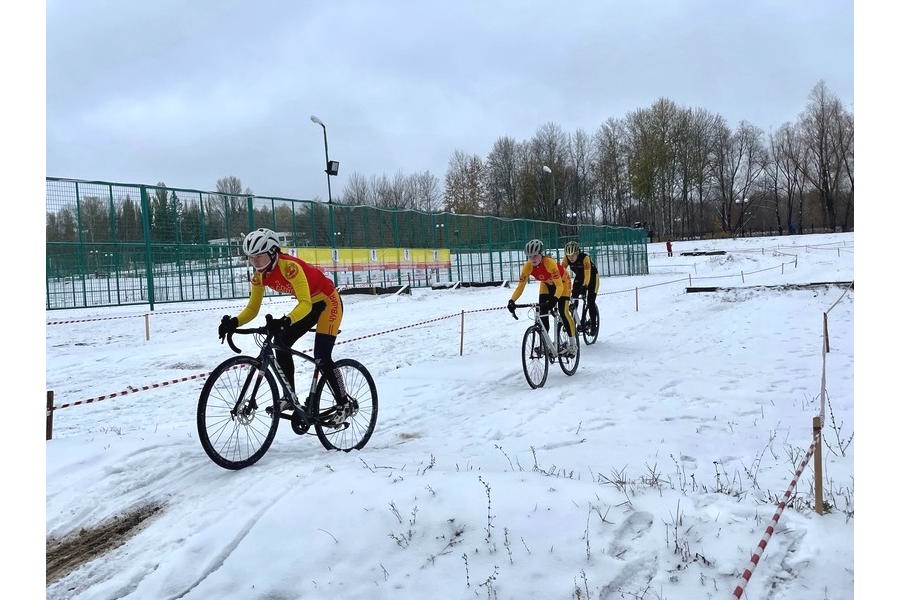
(523, 279)
(567, 283)
(588, 271)
(257, 291)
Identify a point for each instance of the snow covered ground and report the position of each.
(652, 472)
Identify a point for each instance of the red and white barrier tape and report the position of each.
(754, 559)
(132, 390)
(87, 320)
(165, 312)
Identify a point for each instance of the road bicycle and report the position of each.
(538, 350)
(588, 322)
(239, 407)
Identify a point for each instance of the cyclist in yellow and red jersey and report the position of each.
(318, 305)
(555, 288)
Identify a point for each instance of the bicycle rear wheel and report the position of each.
(590, 325)
(568, 364)
(594, 326)
(535, 361)
(356, 431)
(234, 426)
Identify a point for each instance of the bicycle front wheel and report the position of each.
(355, 432)
(236, 417)
(535, 361)
(568, 364)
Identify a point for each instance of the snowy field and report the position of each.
(651, 473)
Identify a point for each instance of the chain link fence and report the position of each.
(111, 244)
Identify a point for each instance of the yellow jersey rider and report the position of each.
(554, 289)
(587, 278)
(318, 304)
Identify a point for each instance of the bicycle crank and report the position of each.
(298, 423)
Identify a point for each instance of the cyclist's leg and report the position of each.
(592, 301)
(546, 293)
(568, 321)
(327, 326)
(322, 353)
(289, 337)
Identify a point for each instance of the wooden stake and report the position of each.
(817, 463)
(462, 327)
(49, 414)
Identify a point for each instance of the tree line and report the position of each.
(679, 172)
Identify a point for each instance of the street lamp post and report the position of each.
(556, 201)
(331, 168)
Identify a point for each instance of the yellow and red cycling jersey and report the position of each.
(548, 273)
(309, 285)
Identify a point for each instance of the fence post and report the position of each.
(49, 414)
(825, 330)
(462, 327)
(817, 463)
(147, 326)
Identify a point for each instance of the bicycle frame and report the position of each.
(545, 335)
(574, 305)
(269, 362)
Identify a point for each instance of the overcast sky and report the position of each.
(190, 92)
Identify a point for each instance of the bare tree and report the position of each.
(822, 125)
(228, 212)
(357, 191)
(739, 160)
(504, 164)
(577, 189)
(609, 174)
(697, 129)
(844, 141)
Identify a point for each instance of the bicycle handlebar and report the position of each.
(513, 312)
(264, 330)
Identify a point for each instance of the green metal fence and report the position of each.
(114, 244)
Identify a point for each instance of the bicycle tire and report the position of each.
(587, 329)
(357, 430)
(568, 364)
(237, 441)
(535, 359)
(593, 325)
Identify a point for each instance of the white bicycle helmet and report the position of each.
(261, 241)
(534, 247)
